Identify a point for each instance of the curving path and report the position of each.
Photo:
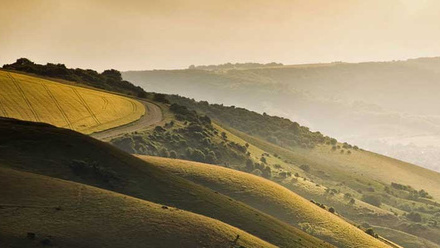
(153, 115)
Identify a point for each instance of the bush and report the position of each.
(370, 232)
(331, 210)
(160, 98)
(173, 154)
(305, 167)
(198, 156)
(257, 172)
(414, 216)
(372, 199)
(267, 172)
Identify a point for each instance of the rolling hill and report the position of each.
(77, 108)
(58, 213)
(271, 198)
(366, 104)
(65, 154)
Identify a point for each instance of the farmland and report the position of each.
(81, 109)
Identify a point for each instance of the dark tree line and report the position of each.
(110, 80)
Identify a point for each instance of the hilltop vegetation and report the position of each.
(110, 80)
(277, 130)
(84, 110)
(42, 211)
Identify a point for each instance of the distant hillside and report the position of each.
(374, 105)
(229, 66)
(40, 211)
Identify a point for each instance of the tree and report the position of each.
(160, 98)
(267, 172)
(112, 74)
(249, 165)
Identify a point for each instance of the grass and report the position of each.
(354, 174)
(77, 215)
(53, 152)
(406, 240)
(85, 110)
(271, 198)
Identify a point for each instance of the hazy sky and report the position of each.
(148, 34)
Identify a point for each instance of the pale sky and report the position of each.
(153, 34)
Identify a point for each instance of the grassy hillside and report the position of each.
(84, 110)
(68, 155)
(357, 103)
(271, 198)
(67, 214)
(338, 175)
(335, 178)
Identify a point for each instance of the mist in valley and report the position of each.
(386, 107)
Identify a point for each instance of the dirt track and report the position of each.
(153, 115)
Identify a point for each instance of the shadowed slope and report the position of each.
(271, 198)
(75, 215)
(65, 154)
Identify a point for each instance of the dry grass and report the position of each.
(49, 151)
(271, 198)
(76, 215)
(80, 109)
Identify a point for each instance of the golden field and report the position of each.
(84, 110)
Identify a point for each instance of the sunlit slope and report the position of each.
(84, 110)
(64, 154)
(76, 215)
(359, 165)
(271, 198)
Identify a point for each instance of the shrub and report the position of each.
(305, 167)
(372, 199)
(164, 152)
(370, 232)
(198, 156)
(414, 216)
(249, 165)
(331, 210)
(160, 98)
(257, 172)
(267, 172)
(173, 154)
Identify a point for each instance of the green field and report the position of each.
(80, 109)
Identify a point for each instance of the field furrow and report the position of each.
(85, 110)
